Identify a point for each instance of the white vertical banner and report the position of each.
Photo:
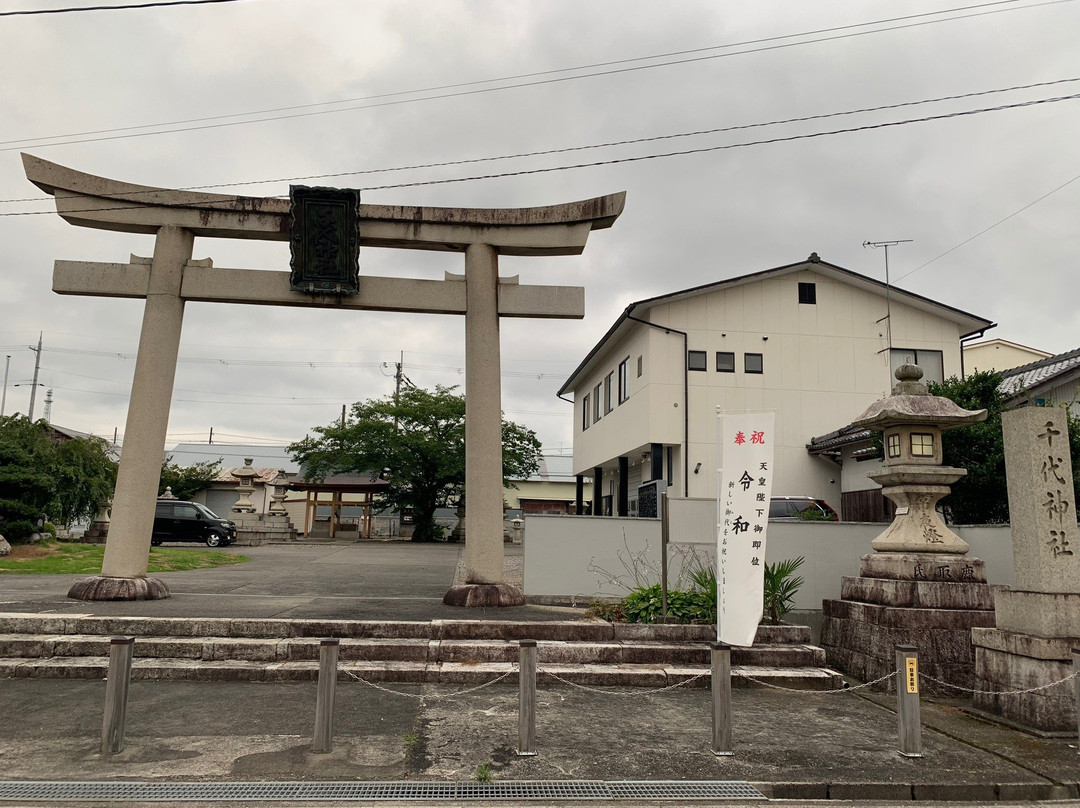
(745, 455)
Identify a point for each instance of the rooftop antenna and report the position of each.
(888, 288)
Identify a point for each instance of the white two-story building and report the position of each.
(812, 341)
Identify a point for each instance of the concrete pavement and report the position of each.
(790, 745)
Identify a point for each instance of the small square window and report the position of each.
(624, 381)
(753, 363)
(922, 445)
(808, 293)
(695, 360)
(608, 406)
(725, 361)
(597, 409)
(892, 445)
(585, 413)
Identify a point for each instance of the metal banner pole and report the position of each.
(324, 702)
(721, 700)
(907, 701)
(121, 650)
(527, 699)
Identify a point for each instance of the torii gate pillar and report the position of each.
(171, 279)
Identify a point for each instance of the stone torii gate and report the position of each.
(171, 278)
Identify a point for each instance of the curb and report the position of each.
(925, 792)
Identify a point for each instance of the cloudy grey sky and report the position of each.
(268, 374)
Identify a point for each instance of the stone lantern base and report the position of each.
(929, 600)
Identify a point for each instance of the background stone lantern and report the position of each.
(246, 488)
(919, 587)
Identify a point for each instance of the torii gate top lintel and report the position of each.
(97, 202)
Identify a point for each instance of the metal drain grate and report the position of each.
(389, 791)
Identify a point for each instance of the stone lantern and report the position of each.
(919, 587)
(911, 421)
(280, 483)
(246, 488)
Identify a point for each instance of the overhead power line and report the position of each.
(991, 227)
(639, 158)
(604, 145)
(125, 6)
(86, 137)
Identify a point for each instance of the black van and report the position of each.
(177, 520)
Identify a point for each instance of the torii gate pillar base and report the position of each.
(101, 587)
(484, 595)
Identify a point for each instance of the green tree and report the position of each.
(187, 480)
(420, 441)
(43, 477)
(981, 497)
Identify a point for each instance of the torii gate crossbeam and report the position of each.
(171, 278)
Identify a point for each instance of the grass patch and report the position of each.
(64, 558)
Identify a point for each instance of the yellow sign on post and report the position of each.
(911, 665)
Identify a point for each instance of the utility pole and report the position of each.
(888, 287)
(3, 400)
(37, 366)
(211, 441)
(397, 377)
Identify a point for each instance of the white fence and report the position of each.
(583, 557)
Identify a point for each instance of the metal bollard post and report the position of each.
(721, 700)
(324, 702)
(527, 699)
(121, 650)
(1076, 690)
(907, 701)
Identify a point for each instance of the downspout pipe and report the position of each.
(686, 395)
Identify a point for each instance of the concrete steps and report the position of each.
(446, 651)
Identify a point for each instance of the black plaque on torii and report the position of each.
(324, 240)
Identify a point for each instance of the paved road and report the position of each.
(354, 580)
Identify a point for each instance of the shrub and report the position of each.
(781, 584)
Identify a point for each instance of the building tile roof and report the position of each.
(1026, 377)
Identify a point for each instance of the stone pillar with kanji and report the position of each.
(1038, 618)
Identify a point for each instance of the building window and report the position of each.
(753, 363)
(608, 406)
(624, 379)
(808, 293)
(930, 361)
(892, 445)
(670, 466)
(585, 413)
(596, 411)
(695, 360)
(725, 361)
(922, 444)
(639, 367)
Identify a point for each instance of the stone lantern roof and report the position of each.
(912, 403)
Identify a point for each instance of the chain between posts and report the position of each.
(1070, 677)
(635, 692)
(424, 697)
(848, 689)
